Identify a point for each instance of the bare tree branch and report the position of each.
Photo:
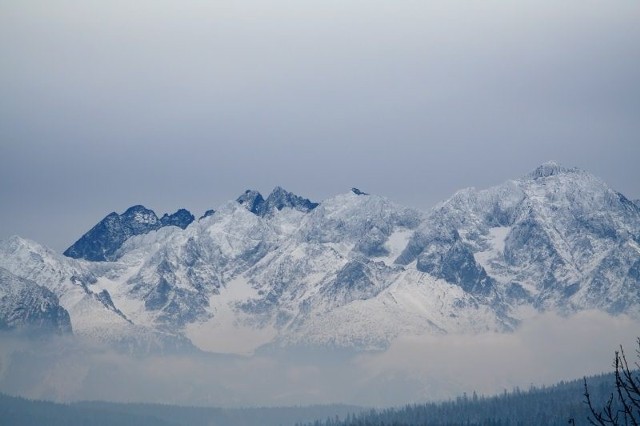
(623, 406)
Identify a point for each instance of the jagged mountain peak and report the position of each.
(550, 188)
(549, 238)
(281, 198)
(550, 168)
(576, 192)
(102, 242)
(138, 220)
(138, 212)
(277, 200)
(279, 190)
(357, 268)
(181, 218)
(252, 200)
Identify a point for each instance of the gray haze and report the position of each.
(106, 104)
(543, 351)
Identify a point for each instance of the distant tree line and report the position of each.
(16, 411)
(562, 404)
(605, 400)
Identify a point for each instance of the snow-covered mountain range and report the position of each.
(355, 270)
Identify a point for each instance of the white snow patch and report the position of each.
(496, 241)
(396, 243)
(224, 332)
(634, 245)
(145, 218)
(133, 308)
(413, 304)
(88, 315)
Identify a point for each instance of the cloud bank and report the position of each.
(544, 350)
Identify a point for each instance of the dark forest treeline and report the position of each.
(17, 411)
(554, 405)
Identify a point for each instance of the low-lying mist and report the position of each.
(543, 350)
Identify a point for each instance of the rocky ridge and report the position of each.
(356, 270)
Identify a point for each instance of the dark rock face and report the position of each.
(182, 218)
(207, 214)
(279, 199)
(138, 220)
(457, 265)
(252, 200)
(276, 201)
(103, 240)
(30, 308)
(358, 192)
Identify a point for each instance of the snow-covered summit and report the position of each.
(549, 240)
(550, 168)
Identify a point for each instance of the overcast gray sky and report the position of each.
(106, 104)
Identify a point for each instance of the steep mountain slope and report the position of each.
(557, 238)
(27, 307)
(353, 271)
(335, 282)
(92, 313)
(103, 240)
